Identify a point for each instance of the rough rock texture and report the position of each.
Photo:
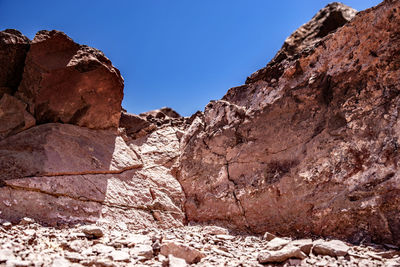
(34, 245)
(59, 173)
(307, 148)
(136, 126)
(310, 145)
(13, 116)
(326, 21)
(70, 83)
(13, 49)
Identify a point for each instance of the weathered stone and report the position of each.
(6, 254)
(268, 236)
(215, 230)
(77, 245)
(6, 225)
(224, 237)
(102, 249)
(73, 256)
(179, 250)
(13, 116)
(104, 263)
(280, 255)
(161, 113)
(26, 221)
(60, 262)
(332, 248)
(135, 126)
(277, 243)
(310, 146)
(304, 244)
(142, 250)
(326, 21)
(13, 49)
(18, 263)
(90, 181)
(294, 262)
(176, 262)
(92, 231)
(119, 255)
(70, 83)
(60, 149)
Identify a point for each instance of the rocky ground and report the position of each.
(30, 244)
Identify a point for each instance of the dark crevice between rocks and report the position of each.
(43, 114)
(277, 169)
(96, 172)
(326, 89)
(334, 21)
(237, 200)
(79, 114)
(175, 174)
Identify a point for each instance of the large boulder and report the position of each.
(61, 173)
(310, 146)
(13, 49)
(70, 83)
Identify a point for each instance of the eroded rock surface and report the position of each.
(70, 83)
(114, 180)
(34, 245)
(13, 49)
(310, 146)
(13, 116)
(136, 126)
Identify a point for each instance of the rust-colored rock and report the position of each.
(13, 49)
(70, 83)
(13, 116)
(311, 146)
(326, 21)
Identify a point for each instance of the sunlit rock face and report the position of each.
(309, 146)
(62, 158)
(70, 83)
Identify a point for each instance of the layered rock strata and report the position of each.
(55, 170)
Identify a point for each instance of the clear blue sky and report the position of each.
(176, 53)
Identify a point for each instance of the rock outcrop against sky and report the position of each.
(307, 148)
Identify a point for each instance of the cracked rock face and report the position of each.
(59, 172)
(70, 83)
(62, 174)
(309, 146)
(13, 116)
(13, 49)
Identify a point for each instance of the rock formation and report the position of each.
(307, 148)
(13, 49)
(59, 172)
(70, 83)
